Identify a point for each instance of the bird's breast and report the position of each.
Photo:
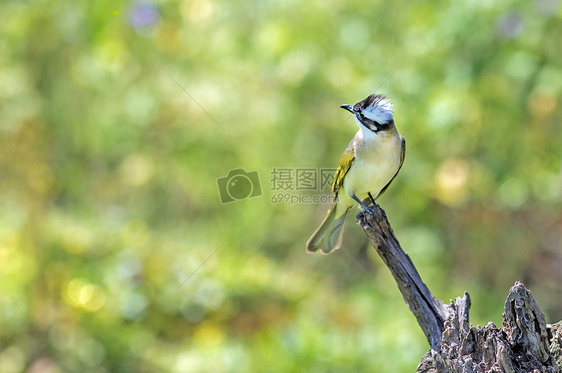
(376, 162)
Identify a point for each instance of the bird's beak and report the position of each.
(348, 108)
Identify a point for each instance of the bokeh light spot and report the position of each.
(12, 359)
(208, 335)
(258, 270)
(137, 170)
(83, 294)
(143, 16)
(513, 193)
(510, 25)
(451, 180)
(198, 12)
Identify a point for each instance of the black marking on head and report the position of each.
(372, 100)
(375, 126)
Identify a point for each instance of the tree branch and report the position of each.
(525, 344)
(430, 312)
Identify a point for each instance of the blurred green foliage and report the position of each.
(116, 254)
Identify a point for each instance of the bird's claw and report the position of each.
(365, 207)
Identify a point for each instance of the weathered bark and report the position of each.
(524, 344)
(430, 311)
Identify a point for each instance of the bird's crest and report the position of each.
(375, 107)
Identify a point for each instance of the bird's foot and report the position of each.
(360, 202)
(375, 211)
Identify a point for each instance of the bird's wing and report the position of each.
(402, 156)
(345, 164)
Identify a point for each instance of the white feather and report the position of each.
(380, 112)
(364, 132)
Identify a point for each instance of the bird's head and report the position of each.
(374, 113)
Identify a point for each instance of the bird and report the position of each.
(369, 164)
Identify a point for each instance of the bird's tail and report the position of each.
(328, 236)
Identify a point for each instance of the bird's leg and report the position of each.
(372, 199)
(359, 201)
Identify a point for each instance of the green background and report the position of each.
(116, 254)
